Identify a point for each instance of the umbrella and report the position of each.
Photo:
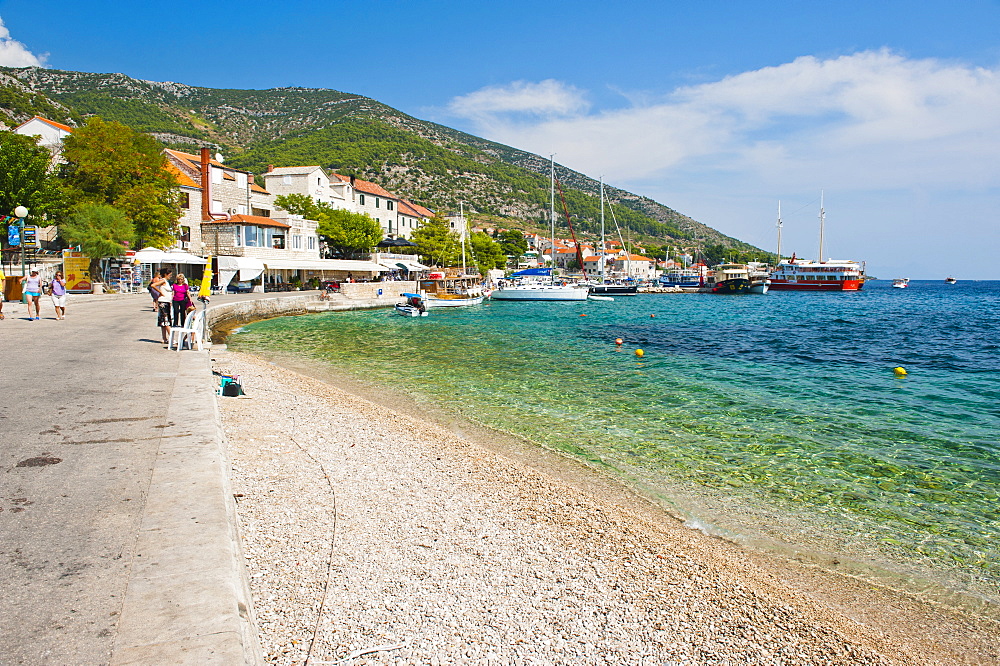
(396, 242)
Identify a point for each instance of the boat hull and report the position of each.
(433, 302)
(840, 285)
(614, 289)
(736, 286)
(410, 311)
(542, 292)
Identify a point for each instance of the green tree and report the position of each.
(513, 243)
(487, 252)
(107, 162)
(100, 230)
(436, 243)
(25, 179)
(300, 204)
(346, 232)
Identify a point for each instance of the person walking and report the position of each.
(32, 288)
(57, 290)
(3, 279)
(181, 299)
(164, 303)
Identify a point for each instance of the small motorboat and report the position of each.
(950, 280)
(414, 306)
(901, 283)
(597, 297)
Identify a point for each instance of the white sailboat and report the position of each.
(524, 290)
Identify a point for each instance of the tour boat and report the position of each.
(950, 280)
(452, 289)
(901, 283)
(803, 275)
(731, 279)
(681, 277)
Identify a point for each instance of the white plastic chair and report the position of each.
(190, 332)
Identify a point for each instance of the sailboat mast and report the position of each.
(779, 234)
(601, 253)
(552, 216)
(822, 222)
(461, 209)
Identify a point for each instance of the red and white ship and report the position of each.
(805, 275)
(830, 275)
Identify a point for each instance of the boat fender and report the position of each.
(618, 341)
(639, 353)
(900, 372)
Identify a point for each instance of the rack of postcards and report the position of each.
(127, 278)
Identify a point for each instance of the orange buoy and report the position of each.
(618, 341)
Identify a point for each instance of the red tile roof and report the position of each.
(367, 187)
(183, 179)
(255, 220)
(65, 128)
(417, 209)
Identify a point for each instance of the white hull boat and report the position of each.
(541, 292)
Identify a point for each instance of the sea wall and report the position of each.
(225, 317)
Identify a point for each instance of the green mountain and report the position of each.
(423, 161)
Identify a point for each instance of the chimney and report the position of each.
(206, 179)
(270, 168)
(352, 181)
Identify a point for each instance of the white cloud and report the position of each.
(905, 149)
(547, 98)
(14, 54)
(874, 118)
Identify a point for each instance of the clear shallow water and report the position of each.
(771, 419)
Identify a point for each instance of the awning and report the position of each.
(248, 268)
(181, 257)
(344, 265)
(405, 265)
(149, 255)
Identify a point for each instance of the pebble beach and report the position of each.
(376, 536)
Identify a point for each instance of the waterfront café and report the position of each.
(281, 274)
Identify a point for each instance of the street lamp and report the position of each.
(21, 212)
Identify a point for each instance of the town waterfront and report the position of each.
(775, 421)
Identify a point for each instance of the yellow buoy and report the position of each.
(639, 353)
(900, 372)
(618, 341)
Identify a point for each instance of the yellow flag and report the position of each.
(206, 280)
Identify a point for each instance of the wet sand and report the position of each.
(368, 528)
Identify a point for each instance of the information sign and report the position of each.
(31, 237)
(76, 268)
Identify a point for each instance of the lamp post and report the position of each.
(21, 212)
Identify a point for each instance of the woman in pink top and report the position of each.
(181, 299)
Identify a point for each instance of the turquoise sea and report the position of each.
(775, 421)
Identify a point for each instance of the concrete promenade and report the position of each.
(118, 538)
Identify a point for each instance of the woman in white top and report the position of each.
(32, 288)
(165, 302)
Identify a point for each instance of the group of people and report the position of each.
(33, 287)
(171, 300)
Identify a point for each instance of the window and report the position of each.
(312, 242)
(185, 234)
(217, 206)
(185, 199)
(260, 212)
(278, 242)
(216, 175)
(286, 180)
(376, 202)
(241, 180)
(241, 209)
(296, 242)
(361, 199)
(319, 182)
(251, 236)
(388, 205)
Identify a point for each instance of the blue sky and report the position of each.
(718, 110)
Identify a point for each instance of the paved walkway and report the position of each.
(117, 538)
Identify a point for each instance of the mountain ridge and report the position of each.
(421, 160)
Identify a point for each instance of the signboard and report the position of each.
(76, 268)
(31, 237)
(14, 235)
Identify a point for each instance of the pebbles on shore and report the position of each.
(413, 545)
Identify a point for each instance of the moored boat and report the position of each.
(731, 279)
(805, 275)
(413, 306)
(452, 288)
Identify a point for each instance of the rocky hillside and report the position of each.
(430, 163)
